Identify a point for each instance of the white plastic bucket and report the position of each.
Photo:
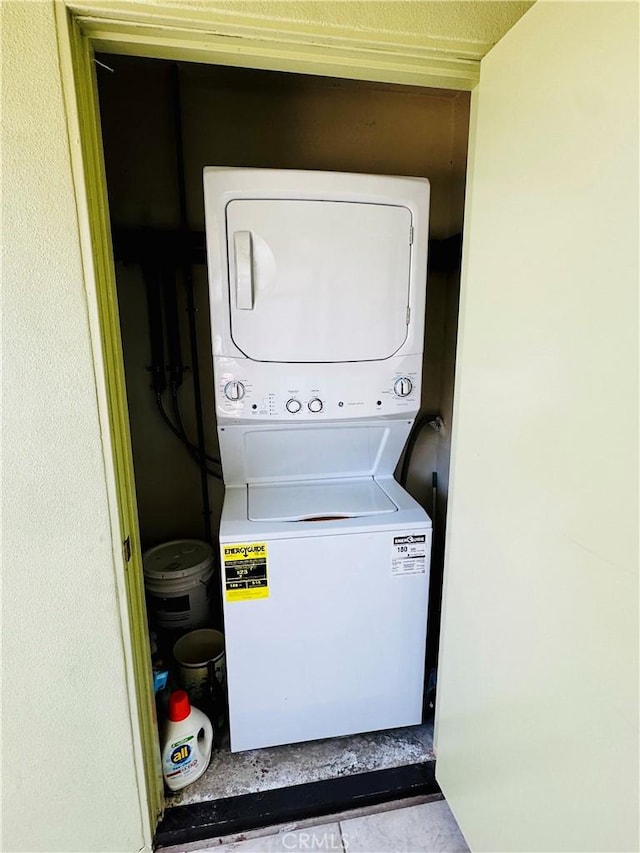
(177, 577)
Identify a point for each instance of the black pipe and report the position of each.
(151, 275)
(172, 324)
(191, 308)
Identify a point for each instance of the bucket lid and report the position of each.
(180, 558)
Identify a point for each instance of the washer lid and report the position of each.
(318, 281)
(179, 558)
(315, 500)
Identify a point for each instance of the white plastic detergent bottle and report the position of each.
(187, 742)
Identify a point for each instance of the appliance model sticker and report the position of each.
(245, 571)
(409, 554)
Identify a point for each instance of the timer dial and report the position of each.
(403, 386)
(234, 390)
(315, 405)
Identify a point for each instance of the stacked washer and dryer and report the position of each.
(317, 285)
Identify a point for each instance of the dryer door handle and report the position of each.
(244, 270)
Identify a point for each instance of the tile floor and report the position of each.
(425, 827)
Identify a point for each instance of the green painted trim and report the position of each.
(213, 18)
(81, 101)
(210, 36)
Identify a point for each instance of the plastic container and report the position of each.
(186, 743)
(177, 577)
(199, 655)
(201, 669)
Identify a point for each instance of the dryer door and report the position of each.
(318, 281)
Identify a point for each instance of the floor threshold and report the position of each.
(230, 815)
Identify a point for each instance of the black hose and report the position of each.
(177, 414)
(420, 422)
(156, 288)
(191, 449)
(174, 350)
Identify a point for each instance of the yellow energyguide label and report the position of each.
(245, 571)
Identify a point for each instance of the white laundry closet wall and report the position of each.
(241, 117)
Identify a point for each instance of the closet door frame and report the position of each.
(164, 31)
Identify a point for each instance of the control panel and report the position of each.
(250, 390)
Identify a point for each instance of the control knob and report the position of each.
(293, 406)
(403, 386)
(315, 405)
(234, 390)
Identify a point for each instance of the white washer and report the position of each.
(338, 645)
(317, 287)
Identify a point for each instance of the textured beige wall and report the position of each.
(68, 779)
(537, 735)
(481, 21)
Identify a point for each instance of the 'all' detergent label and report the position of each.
(180, 759)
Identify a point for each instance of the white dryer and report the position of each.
(317, 287)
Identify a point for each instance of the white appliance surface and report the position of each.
(260, 452)
(315, 267)
(236, 526)
(338, 644)
(317, 284)
(318, 500)
(298, 393)
(325, 281)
